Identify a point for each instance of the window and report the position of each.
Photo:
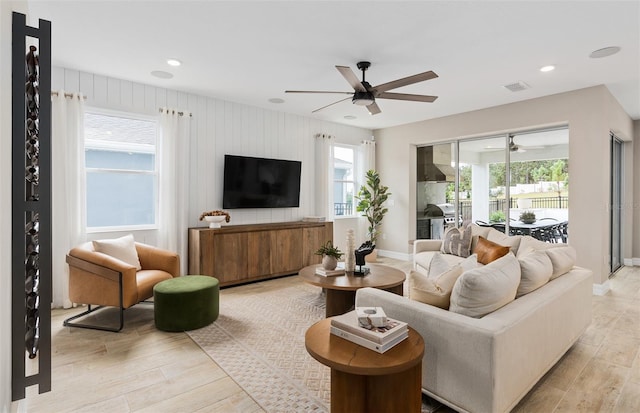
(344, 183)
(122, 177)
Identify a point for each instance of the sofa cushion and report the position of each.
(535, 271)
(483, 290)
(457, 241)
(562, 260)
(488, 251)
(423, 260)
(123, 248)
(498, 237)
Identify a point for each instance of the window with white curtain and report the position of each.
(122, 174)
(344, 180)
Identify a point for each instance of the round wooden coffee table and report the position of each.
(341, 289)
(365, 381)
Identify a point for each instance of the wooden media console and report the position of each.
(236, 254)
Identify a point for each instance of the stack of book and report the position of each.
(378, 339)
(339, 270)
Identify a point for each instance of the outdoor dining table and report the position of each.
(535, 229)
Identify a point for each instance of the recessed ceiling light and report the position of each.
(548, 68)
(350, 117)
(276, 100)
(161, 74)
(173, 62)
(607, 51)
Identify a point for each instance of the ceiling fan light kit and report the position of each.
(365, 95)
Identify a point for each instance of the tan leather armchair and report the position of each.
(99, 279)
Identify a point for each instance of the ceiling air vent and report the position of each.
(517, 87)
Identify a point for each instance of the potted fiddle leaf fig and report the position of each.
(371, 198)
(330, 255)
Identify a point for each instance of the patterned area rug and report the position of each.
(258, 340)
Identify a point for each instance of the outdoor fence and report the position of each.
(495, 205)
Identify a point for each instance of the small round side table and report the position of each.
(363, 380)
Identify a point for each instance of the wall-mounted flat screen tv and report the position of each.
(260, 182)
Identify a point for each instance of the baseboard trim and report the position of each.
(395, 254)
(632, 262)
(601, 289)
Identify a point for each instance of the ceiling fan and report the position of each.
(365, 95)
(513, 147)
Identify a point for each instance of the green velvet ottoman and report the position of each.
(186, 303)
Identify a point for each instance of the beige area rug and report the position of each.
(258, 340)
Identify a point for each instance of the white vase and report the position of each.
(349, 255)
(329, 263)
(215, 220)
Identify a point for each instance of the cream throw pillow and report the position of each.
(483, 290)
(123, 248)
(535, 271)
(433, 291)
(511, 241)
(562, 259)
(435, 288)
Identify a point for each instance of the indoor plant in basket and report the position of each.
(330, 255)
(371, 198)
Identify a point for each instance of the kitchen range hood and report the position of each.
(434, 164)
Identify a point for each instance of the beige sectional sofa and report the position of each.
(488, 364)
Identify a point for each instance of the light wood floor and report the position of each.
(142, 369)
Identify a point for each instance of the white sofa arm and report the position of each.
(421, 245)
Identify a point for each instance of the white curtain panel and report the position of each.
(173, 164)
(324, 175)
(367, 159)
(68, 187)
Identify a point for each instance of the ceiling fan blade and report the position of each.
(373, 108)
(330, 104)
(351, 77)
(317, 91)
(406, 96)
(420, 77)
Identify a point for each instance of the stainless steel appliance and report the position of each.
(435, 219)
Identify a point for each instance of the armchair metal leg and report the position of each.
(68, 323)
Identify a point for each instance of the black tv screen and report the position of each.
(260, 183)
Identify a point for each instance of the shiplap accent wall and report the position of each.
(217, 128)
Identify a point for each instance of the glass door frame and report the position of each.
(616, 194)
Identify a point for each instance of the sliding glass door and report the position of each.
(499, 181)
(615, 214)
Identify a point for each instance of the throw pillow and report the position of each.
(511, 241)
(123, 248)
(438, 265)
(483, 290)
(535, 271)
(433, 291)
(457, 241)
(562, 260)
(488, 251)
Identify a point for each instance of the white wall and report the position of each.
(218, 128)
(590, 114)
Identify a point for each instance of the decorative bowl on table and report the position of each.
(215, 220)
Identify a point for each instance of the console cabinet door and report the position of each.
(312, 239)
(259, 254)
(230, 257)
(286, 250)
